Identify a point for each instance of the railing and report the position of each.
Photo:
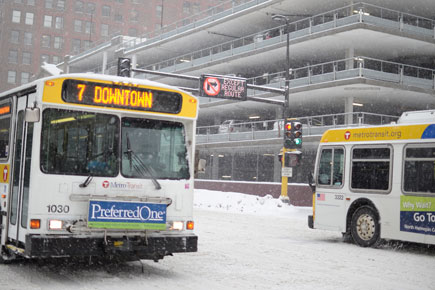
(356, 13)
(312, 125)
(359, 66)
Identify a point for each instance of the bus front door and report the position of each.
(20, 178)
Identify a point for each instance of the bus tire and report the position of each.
(365, 228)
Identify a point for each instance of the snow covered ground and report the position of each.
(246, 242)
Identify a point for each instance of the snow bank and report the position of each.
(243, 203)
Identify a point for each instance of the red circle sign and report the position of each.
(347, 135)
(212, 86)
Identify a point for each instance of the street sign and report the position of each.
(223, 87)
(287, 171)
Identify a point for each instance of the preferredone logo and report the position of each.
(138, 213)
(126, 215)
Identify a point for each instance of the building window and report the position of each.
(31, 2)
(104, 30)
(159, 10)
(118, 17)
(27, 58)
(86, 44)
(46, 39)
(106, 11)
(132, 32)
(58, 42)
(186, 7)
(15, 36)
(47, 20)
(58, 23)
(60, 5)
(55, 59)
(76, 45)
(12, 76)
(16, 16)
(28, 37)
(79, 7)
(89, 27)
(49, 4)
(196, 8)
(90, 9)
(25, 78)
(134, 16)
(29, 18)
(77, 25)
(13, 56)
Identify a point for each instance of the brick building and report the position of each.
(37, 31)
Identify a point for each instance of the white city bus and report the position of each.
(96, 166)
(376, 183)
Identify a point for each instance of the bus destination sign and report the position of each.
(121, 96)
(223, 87)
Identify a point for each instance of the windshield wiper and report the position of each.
(87, 181)
(139, 165)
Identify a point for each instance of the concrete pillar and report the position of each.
(66, 64)
(133, 64)
(348, 109)
(103, 71)
(349, 55)
(215, 166)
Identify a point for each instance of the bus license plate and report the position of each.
(126, 215)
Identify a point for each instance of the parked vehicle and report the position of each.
(230, 126)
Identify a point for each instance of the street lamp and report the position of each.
(279, 17)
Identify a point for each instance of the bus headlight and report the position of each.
(177, 226)
(55, 225)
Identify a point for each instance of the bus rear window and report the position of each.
(371, 167)
(419, 170)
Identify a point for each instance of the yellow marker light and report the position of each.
(35, 224)
(190, 225)
(49, 83)
(177, 226)
(55, 224)
(3, 195)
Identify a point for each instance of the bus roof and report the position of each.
(380, 133)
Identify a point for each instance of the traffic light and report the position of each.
(297, 133)
(124, 67)
(292, 134)
(288, 141)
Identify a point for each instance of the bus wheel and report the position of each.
(365, 228)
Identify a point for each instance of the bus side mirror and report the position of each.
(32, 115)
(311, 182)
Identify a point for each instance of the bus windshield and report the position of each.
(84, 143)
(157, 145)
(79, 143)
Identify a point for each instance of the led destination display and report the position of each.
(119, 96)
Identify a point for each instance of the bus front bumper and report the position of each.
(129, 248)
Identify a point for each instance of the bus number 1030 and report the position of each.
(53, 208)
